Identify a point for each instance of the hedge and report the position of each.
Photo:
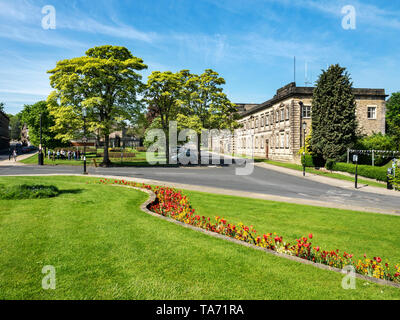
(312, 162)
(377, 173)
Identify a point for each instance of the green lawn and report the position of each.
(104, 247)
(323, 173)
(139, 161)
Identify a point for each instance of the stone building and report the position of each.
(274, 129)
(4, 131)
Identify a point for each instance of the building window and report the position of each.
(306, 112)
(372, 113)
(287, 113)
(282, 114)
(262, 142)
(267, 120)
(282, 140)
(277, 116)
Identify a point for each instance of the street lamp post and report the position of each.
(84, 140)
(304, 146)
(40, 156)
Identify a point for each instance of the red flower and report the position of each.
(310, 236)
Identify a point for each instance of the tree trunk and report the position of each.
(106, 161)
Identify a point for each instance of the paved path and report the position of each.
(264, 183)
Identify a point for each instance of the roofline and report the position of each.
(291, 90)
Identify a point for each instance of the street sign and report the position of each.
(355, 158)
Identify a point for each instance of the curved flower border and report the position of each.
(171, 203)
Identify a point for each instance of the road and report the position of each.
(261, 181)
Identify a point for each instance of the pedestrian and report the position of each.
(58, 154)
(49, 154)
(10, 153)
(15, 155)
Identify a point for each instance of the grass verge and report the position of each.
(339, 176)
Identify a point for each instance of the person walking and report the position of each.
(15, 155)
(10, 153)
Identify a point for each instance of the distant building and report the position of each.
(4, 131)
(273, 129)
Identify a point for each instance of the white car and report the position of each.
(185, 156)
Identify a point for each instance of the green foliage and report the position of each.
(334, 122)
(395, 178)
(18, 192)
(307, 148)
(312, 161)
(330, 164)
(377, 173)
(105, 82)
(196, 102)
(1, 106)
(31, 116)
(376, 141)
(393, 118)
(16, 126)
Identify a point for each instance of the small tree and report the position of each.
(393, 117)
(31, 116)
(105, 82)
(204, 104)
(1, 106)
(334, 123)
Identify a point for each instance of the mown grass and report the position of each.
(351, 231)
(334, 175)
(104, 247)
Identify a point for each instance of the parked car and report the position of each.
(185, 156)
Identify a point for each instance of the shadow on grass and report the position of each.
(71, 191)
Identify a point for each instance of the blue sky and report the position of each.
(250, 43)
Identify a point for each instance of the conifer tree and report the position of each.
(334, 122)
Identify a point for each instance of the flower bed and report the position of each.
(173, 204)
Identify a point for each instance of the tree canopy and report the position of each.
(393, 117)
(31, 116)
(334, 123)
(105, 83)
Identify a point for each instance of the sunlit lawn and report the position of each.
(104, 247)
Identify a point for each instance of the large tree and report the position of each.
(105, 82)
(1, 106)
(334, 123)
(163, 93)
(393, 117)
(31, 116)
(204, 104)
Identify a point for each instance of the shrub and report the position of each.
(330, 163)
(377, 173)
(312, 161)
(20, 192)
(395, 179)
